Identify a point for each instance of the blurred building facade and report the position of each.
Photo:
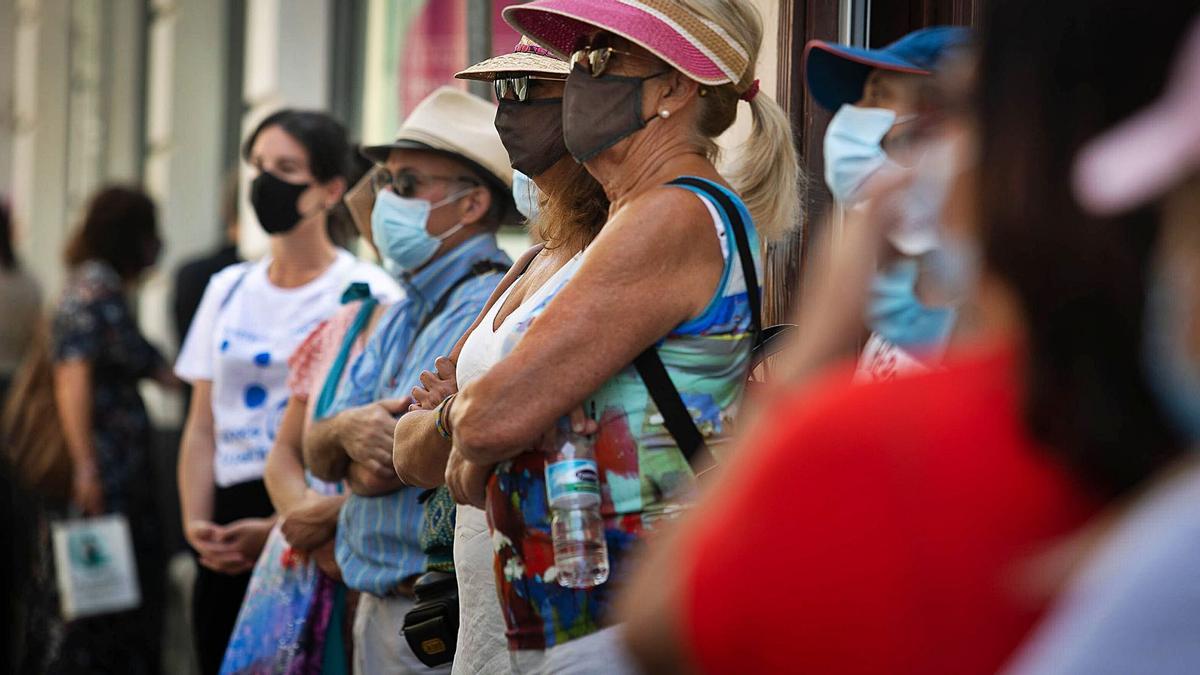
(160, 92)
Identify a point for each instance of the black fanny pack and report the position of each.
(431, 626)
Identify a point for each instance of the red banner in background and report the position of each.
(504, 38)
(435, 47)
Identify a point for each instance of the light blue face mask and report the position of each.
(526, 194)
(1173, 374)
(895, 313)
(852, 148)
(398, 226)
(953, 267)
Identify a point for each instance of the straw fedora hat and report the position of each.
(456, 124)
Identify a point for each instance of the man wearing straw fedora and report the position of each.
(443, 187)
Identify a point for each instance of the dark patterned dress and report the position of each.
(93, 323)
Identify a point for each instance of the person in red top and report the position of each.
(925, 496)
(920, 525)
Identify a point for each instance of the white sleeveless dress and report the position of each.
(482, 646)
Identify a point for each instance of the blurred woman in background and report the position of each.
(297, 563)
(251, 319)
(100, 356)
(22, 302)
(898, 526)
(1133, 606)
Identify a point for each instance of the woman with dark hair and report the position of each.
(917, 525)
(251, 319)
(21, 299)
(1133, 606)
(99, 357)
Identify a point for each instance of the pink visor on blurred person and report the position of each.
(690, 43)
(1155, 149)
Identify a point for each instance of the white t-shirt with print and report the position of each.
(244, 331)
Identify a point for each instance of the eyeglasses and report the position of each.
(595, 59)
(406, 183)
(517, 86)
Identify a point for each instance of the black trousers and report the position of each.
(216, 598)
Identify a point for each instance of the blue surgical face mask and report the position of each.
(1173, 373)
(526, 194)
(852, 148)
(895, 313)
(398, 226)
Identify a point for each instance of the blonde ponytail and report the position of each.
(767, 171)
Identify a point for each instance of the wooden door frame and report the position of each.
(800, 21)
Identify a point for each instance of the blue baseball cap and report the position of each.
(836, 73)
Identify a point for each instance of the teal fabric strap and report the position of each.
(358, 290)
(437, 530)
(335, 660)
(330, 387)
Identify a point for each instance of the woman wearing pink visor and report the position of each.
(671, 280)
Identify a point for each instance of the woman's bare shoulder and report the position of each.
(665, 221)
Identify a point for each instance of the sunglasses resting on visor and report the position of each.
(596, 59)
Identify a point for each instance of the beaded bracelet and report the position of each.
(440, 421)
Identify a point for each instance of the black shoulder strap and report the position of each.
(676, 417)
(649, 365)
(477, 270)
(742, 239)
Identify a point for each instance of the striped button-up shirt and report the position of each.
(377, 542)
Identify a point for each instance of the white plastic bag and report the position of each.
(93, 560)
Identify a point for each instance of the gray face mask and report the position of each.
(599, 112)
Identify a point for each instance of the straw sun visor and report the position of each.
(527, 58)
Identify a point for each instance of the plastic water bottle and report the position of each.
(576, 526)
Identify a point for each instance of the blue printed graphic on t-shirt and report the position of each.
(255, 395)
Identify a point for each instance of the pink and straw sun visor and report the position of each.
(692, 44)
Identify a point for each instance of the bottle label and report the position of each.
(573, 482)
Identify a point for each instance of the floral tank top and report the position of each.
(639, 462)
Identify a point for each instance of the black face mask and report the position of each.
(599, 112)
(532, 132)
(274, 201)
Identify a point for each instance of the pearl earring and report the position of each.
(664, 113)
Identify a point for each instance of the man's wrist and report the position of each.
(339, 428)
